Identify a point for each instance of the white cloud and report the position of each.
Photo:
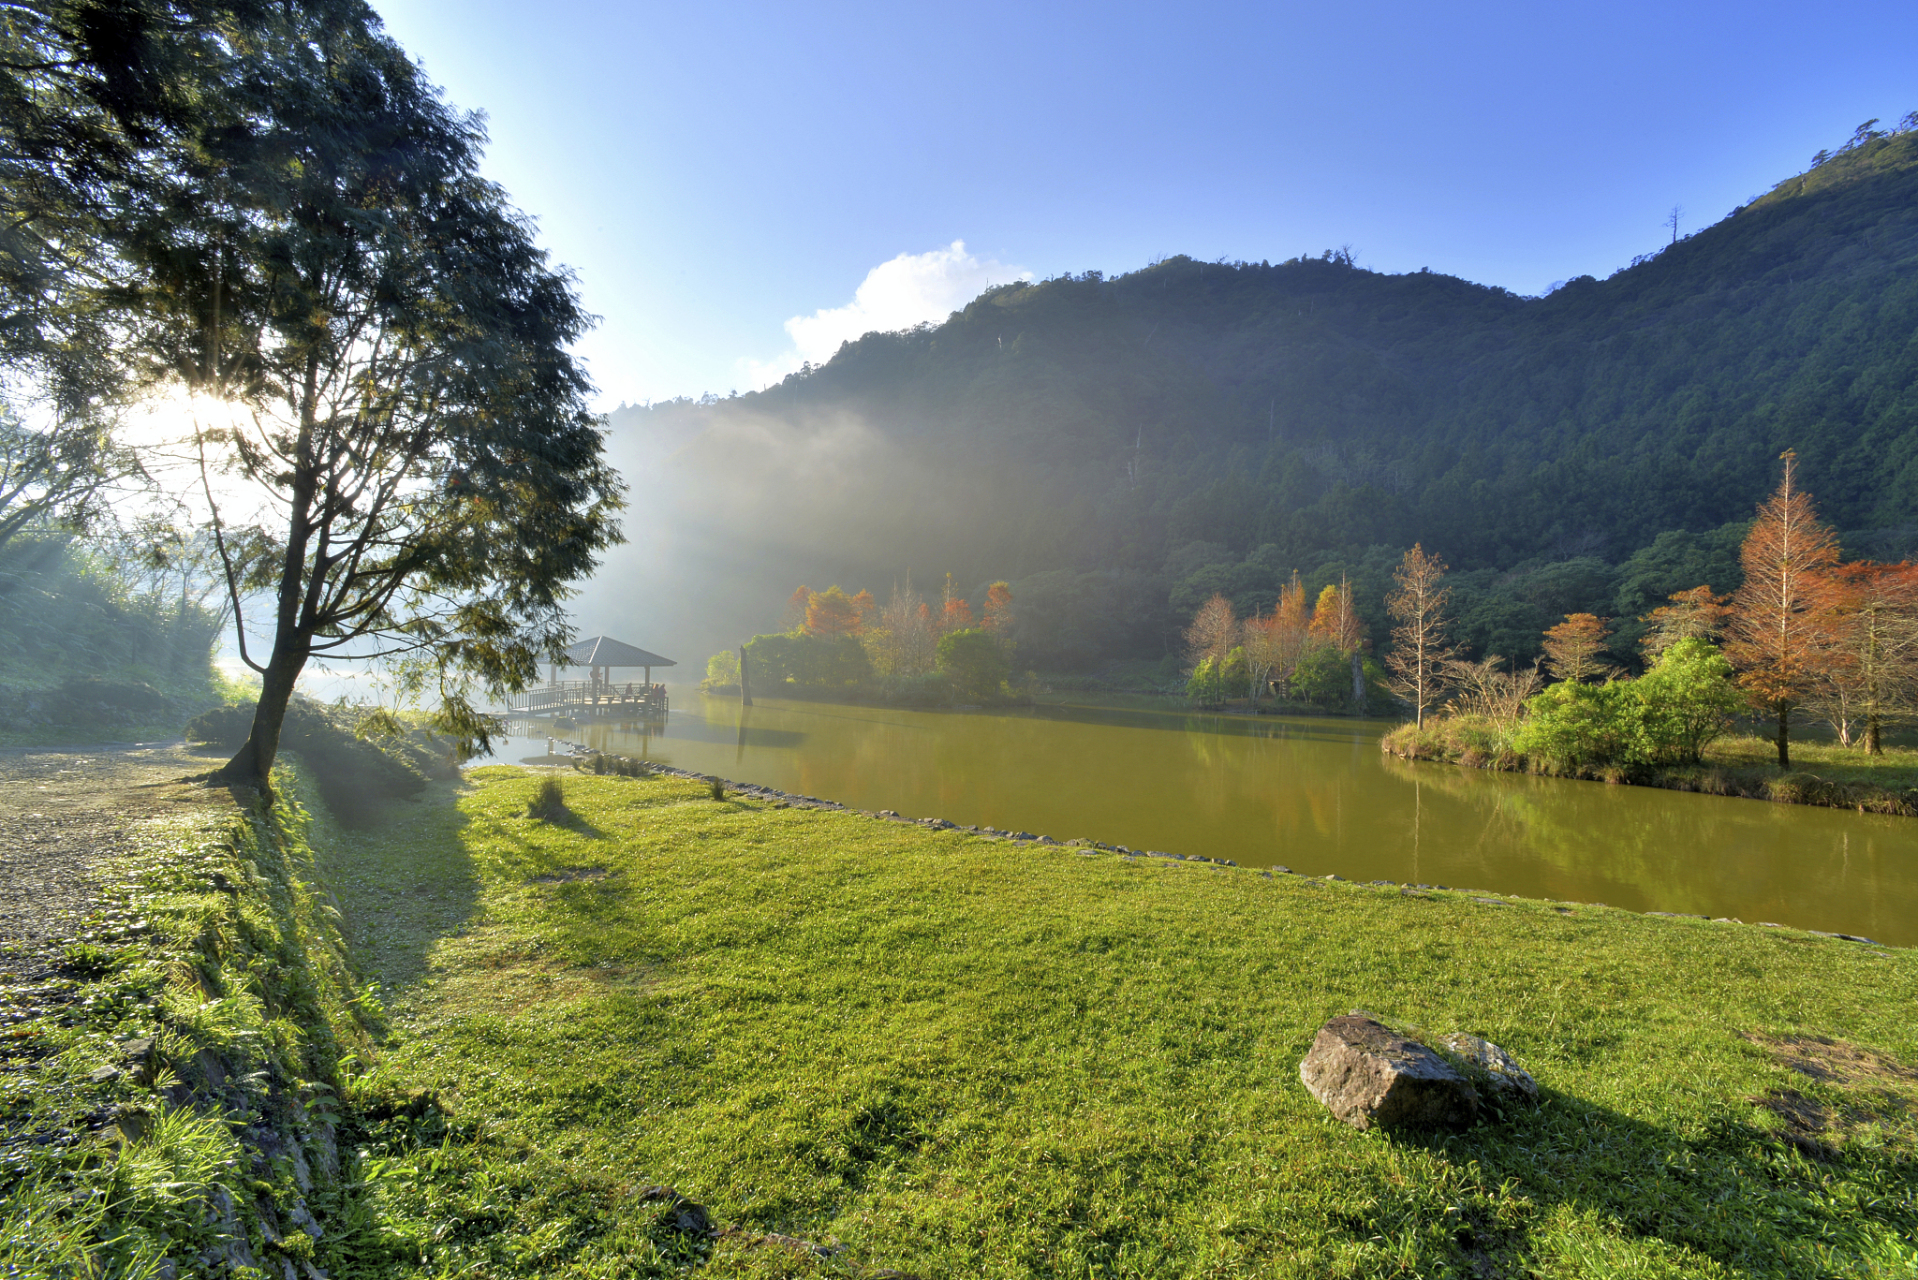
(910, 289)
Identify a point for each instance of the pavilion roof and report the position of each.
(604, 651)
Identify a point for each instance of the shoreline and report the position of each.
(774, 798)
(1742, 782)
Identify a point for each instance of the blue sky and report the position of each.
(715, 171)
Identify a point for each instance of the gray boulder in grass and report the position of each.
(1498, 1072)
(1368, 1074)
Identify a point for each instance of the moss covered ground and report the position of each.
(854, 1046)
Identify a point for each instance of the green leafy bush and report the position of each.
(972, 660)
(722, 673)
(1206, 685)
(1687, 702)
(1571, 725)
(549, 801)
(1669, 716)
(809, 662)
(1323, 676)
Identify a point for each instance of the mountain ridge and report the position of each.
(1312, 409)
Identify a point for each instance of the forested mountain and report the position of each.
(1119, 447)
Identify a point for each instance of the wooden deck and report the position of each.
(592, 700)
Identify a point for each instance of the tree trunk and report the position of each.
(1784, 735)
(1358, 683)
(252, 765)
(1874, 745)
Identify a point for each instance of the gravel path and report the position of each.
(66, 811)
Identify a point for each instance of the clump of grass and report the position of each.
(549, 801)
(719, 788)
(88, 959)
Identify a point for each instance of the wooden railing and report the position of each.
(592, 699)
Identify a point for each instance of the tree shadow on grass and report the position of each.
(403, 879)
(1738, 1192)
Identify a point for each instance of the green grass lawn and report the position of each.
(959, 1057)
(1895, 770)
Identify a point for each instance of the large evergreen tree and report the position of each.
(429, 478)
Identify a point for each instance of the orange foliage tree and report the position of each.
(1335, 621)
(998, 619)
(1778, 625)
(1574, 649)
(954, 613)
(831, 613)
(1273, 643)
(1692, 615)
(1869, 663)
(863, 605)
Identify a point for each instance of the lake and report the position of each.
(1315, 795)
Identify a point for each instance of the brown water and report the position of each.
(1314, 795)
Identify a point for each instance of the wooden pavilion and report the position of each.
(599, 696)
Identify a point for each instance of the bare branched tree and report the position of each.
(1420, 643)
(1492, 688)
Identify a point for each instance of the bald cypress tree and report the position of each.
(1778, 623)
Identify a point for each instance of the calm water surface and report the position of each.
(1317, 796)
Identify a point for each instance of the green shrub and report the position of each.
(1688, 701)
(1206, 685)
(1323, 677)
(722, 673)
(549, 801)
(1573, 725)
(972, 660)
(809, 662)
(1668, 716)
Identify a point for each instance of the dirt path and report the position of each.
(67, 812)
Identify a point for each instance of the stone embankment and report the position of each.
(778, 799)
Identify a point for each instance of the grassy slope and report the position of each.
(957, 1056)
(205, 1156)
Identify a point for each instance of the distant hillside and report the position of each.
(1109, 443)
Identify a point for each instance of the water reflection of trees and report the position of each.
(1687, 853)
(1320, 800)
